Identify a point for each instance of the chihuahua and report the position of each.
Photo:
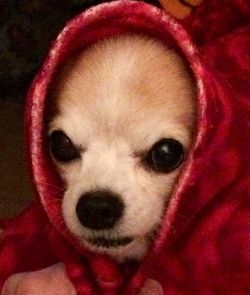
(121, 127)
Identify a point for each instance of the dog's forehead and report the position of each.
(124, 86)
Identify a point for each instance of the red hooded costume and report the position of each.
(203, 246)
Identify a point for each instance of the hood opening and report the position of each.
(102, 21)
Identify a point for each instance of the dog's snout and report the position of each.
(99, 210)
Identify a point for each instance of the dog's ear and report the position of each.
(180, 8)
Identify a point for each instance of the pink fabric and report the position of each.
(204, 243)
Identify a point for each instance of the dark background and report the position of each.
(27, 28)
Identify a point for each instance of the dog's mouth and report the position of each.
(110, 243)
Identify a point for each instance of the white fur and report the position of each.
(116, 100)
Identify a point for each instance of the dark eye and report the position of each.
(61, 147)
(165, 155)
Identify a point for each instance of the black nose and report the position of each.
(99, 210)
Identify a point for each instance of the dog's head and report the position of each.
(122, 124)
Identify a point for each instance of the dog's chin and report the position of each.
(119, 248)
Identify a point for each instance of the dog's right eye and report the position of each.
(62, 147)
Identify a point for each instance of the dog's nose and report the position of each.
(99, 210)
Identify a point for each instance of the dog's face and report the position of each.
(122, 129)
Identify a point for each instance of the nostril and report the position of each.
(99, 210)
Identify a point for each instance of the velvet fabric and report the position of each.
(203, 245)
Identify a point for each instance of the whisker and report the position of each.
(152, 235)
(51, 185)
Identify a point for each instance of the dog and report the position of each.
(120, 121)
(121, 129)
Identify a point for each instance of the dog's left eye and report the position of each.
(165, 155)
(62, 147)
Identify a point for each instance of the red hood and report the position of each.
(97, 23)
(215, 179)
